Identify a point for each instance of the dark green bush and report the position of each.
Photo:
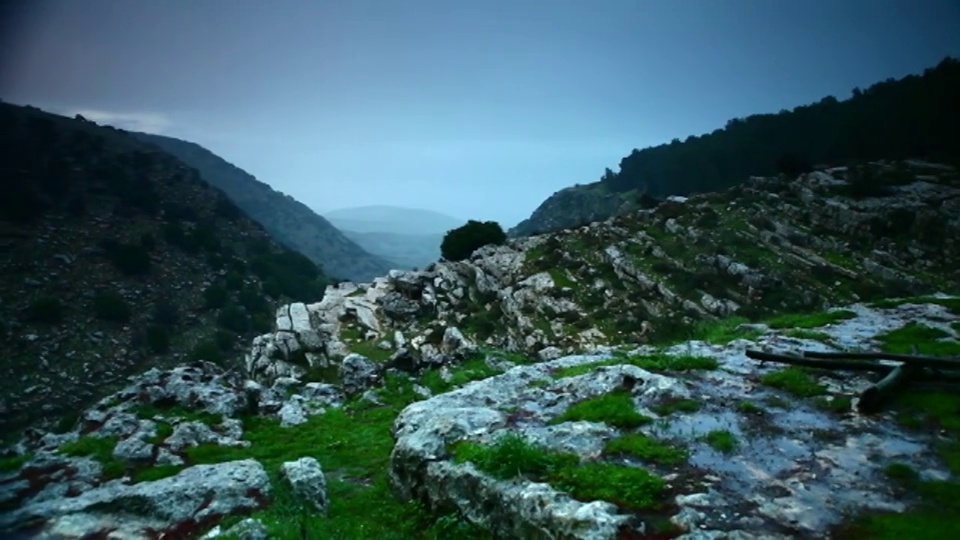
(165, 313)
(234, 318)
(206, 350)
(253, 301)
(234, 281)
(45, 310)
(129, 259)
(215, 296)
(148, 241)
(458, 244)
(158, 339)
(226, 341)
(111, 306)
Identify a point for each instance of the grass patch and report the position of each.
(795, 380)
(952, 304)
(936, 516)
(928, 340)
(371, 350)
(810, 320)
(933, 411)
(655, 362)
(669, 406)
(749, 407)
(615, 408)
(839, 404)
(472, 370)
(157, 472)
(353, 444)
(724, 331)
(646, 448)
(14, 463)
(148, 411)
(100, 449)
(512, 456)
(722, 441)
(803, 333)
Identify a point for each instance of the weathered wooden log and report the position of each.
(913, 359)
(821, 364)
(875, 396)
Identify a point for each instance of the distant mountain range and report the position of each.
(288, 220)
(410, 237)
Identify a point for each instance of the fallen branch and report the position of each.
(873, 397)
(927, 361)
(821, 364)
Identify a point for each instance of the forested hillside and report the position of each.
(913, 117)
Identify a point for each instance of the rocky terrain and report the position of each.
(115, 257)
(693, 440)
(769, 246)
(288, 220)
(576, 206)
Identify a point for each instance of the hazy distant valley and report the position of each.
(408, 237)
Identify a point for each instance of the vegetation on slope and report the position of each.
(288, 220)
(914, 117)
(116, 257)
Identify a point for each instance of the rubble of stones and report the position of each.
(71, 496)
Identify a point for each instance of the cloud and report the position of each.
(147, 122)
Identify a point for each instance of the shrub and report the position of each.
(158, 339)
(793, 165)
(165, 313)
(215, 296)
(129, 259)
(206, 350)
(111, 306)
(148, 241)
(45, 310)
(458, 244)
(234, 318)
(234, 281)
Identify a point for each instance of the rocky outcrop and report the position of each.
(769, 246)
(776, 478)
(73, 489)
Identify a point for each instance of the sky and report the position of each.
(477, 109)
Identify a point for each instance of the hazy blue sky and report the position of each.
(480, 109)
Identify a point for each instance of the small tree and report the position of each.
(458, 244)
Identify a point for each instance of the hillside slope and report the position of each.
(287, 219)
(408, 251)
(114, 257)
(915, 116)
(768, 246)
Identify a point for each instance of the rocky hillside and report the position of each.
(288, 220)
(690, 441)
(769, 246)
(115, 257)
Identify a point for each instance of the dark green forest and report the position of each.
(917, 116)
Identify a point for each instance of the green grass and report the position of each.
(14, 463)
(655, 362)
(928, 340)
(615, 408)
(471, 370)
(647, 449)
(353, 444)
(810, 320)
(722, 441)
(937, 516)
(749, 407)
(952, 304)
(723, 331)
(512, 456)
(157, 472)
(839, 404)
(371, 350)
(803, 333)
(100, 449)
(669, 406)
(560, 278)
(795, 380)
